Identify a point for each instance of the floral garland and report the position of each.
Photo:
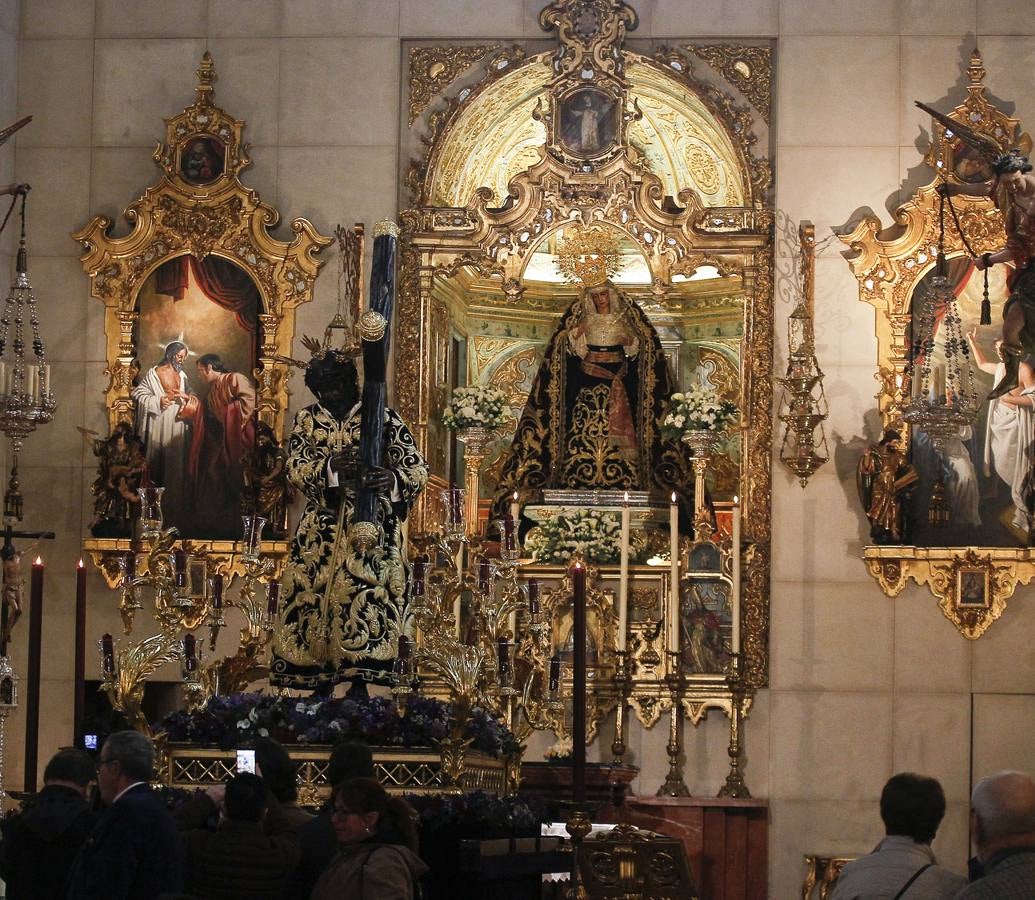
(698, 409)
(477, 406)
(237, 719)
(596, 535)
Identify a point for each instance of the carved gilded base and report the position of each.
(972, 585)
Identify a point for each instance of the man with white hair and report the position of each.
(1002, 823)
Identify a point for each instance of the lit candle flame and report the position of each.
(81, 564)
(626, 496)
(39, 561)
(673, 496)
(736, 500)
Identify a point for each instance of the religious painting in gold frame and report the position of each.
(199, 210)
(892, 265)
(480, 207)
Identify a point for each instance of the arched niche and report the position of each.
(675, 171)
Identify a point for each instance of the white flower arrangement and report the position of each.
(478, 406)
(561, 750)
(699, 409)
(596, 535)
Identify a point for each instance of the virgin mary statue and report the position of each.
(592, 416)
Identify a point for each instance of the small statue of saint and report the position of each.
(886, 481)
(266, 490)
(12, 589)
(121, 471)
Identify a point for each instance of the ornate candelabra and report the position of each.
(623, 686)
(163, 568)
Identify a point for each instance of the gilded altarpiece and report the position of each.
(661, 147)
(199, 211)
(972, 567)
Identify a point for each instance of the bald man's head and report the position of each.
(1003, 806)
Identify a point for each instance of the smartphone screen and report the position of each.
(246, 761)
(90, 741)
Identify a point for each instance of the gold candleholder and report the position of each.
(673, 785)
(734, 785)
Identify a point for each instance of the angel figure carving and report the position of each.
(886, 481)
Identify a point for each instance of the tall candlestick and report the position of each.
(273, 598)
(217, 591)
(107, 655)
(503, 658)
(555, 673)
(131, 565)
(180, 566)
(418, 580)
(508, 532)
(735, 606)
(623, 576)
(515, 507)
(190, 660)
(454, 504)
(673, 604)
(79, 664)
(404, 647)
(484, 577)
(32, 707)
(578, 692)
(533, 598)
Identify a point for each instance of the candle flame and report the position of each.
(39, 561)
(673, 496)
(626, 496)
(515, 496)
(81, 564)
(736, 500)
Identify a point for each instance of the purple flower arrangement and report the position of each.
(237, 719)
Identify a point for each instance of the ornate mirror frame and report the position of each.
(219, 216)
(494, 239)
(889, 263)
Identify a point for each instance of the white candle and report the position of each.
(623, 576)
(31, 381)
(673, 623)
(456, 617)
(46, 379)
(735, 605)
(515, 509)
(3, 377)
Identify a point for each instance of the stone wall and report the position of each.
(862, 686)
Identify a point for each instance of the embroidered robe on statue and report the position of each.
(357, 608)
(592, 417)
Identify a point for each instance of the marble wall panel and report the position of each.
(245, 18)
(830, 745)
(57, 283)
(838, 17)
(247, 88)
(10, 13)
(934, 71)
(151, 18)
(139, 81)
(815, 637)
(1005, 17)
(949, 17)
(1009, 61)
(815, 109)
(461, 18)
(60, 179)
(341, 17)
(55, 81)
(930, 654)
(1003, 737)
(1004, 658)
(722, 18)
(57, 18)
(316, 106)
(932, 736)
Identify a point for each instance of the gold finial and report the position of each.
(976, 72)
(588, 254)
(206, 73)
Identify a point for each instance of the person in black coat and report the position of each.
(134, 852)
(40, 843)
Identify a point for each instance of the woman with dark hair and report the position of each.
(280, 775)
(377, 837)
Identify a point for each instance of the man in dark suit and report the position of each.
(134, 852)
(41, 841)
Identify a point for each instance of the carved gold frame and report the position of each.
(175, 217)
(495, 241)
(889, 263)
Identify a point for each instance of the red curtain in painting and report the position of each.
(225, 284)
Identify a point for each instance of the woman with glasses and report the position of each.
(377, 841)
